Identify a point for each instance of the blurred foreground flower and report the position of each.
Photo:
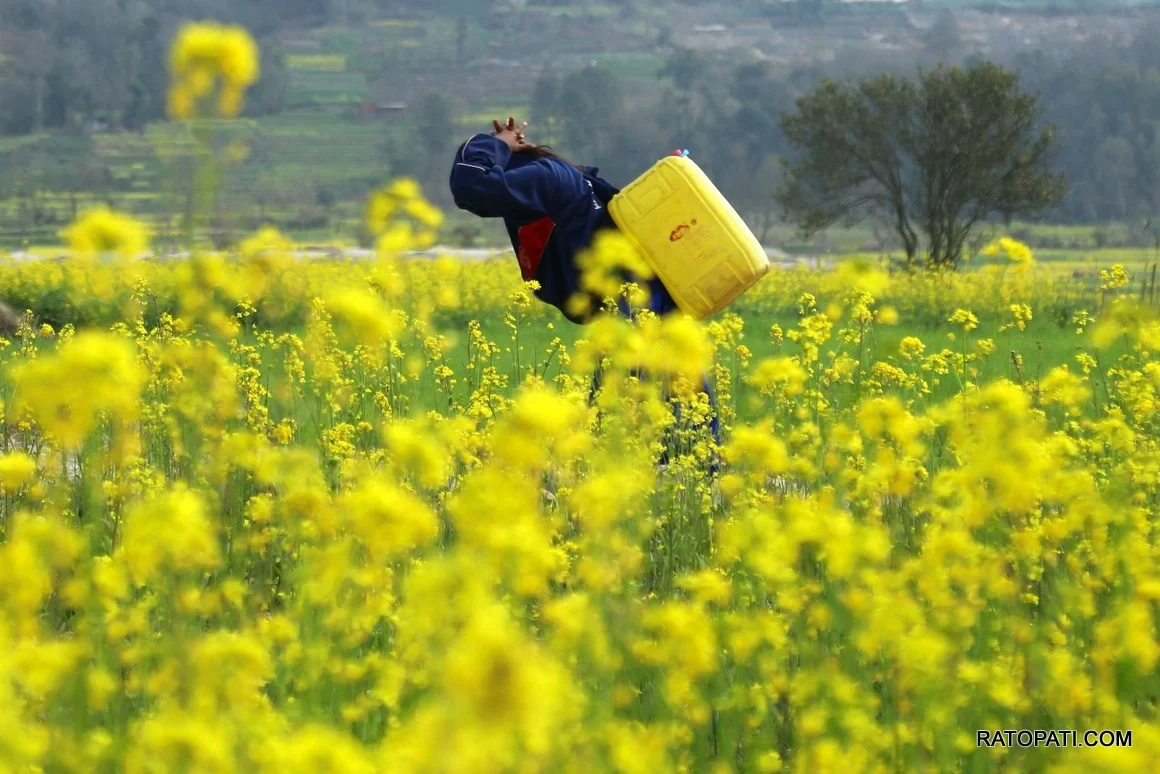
(1015, 250)
(606, 268)
(401, 218)
(102, 231)
(208, 55)
(93, 373)
(16, 468)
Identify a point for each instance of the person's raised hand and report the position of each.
(512, 134)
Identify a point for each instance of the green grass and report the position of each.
(396, 24)
(9, 144)
(339, 40)
(1043, 345)
(291, 158)
(1083, 265)
(480, 119)
(327, 88)
(631, 65)
(588, 9)
(325, 63)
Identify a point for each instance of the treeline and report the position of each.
(728, 121)
(1103, 99)
(67, 62)
(64, 63)
(1106, 101)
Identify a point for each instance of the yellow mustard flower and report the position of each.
(208, 55)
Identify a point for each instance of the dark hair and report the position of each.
(546, 152)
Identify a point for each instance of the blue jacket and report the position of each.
(552, 212)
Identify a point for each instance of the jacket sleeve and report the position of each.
(603, 189)
(481, 185)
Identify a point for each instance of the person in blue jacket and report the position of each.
(552, 210)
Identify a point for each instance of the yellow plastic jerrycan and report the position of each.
(690, 235)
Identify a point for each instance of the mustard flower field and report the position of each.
(262, 513)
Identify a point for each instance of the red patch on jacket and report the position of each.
(533, 242)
